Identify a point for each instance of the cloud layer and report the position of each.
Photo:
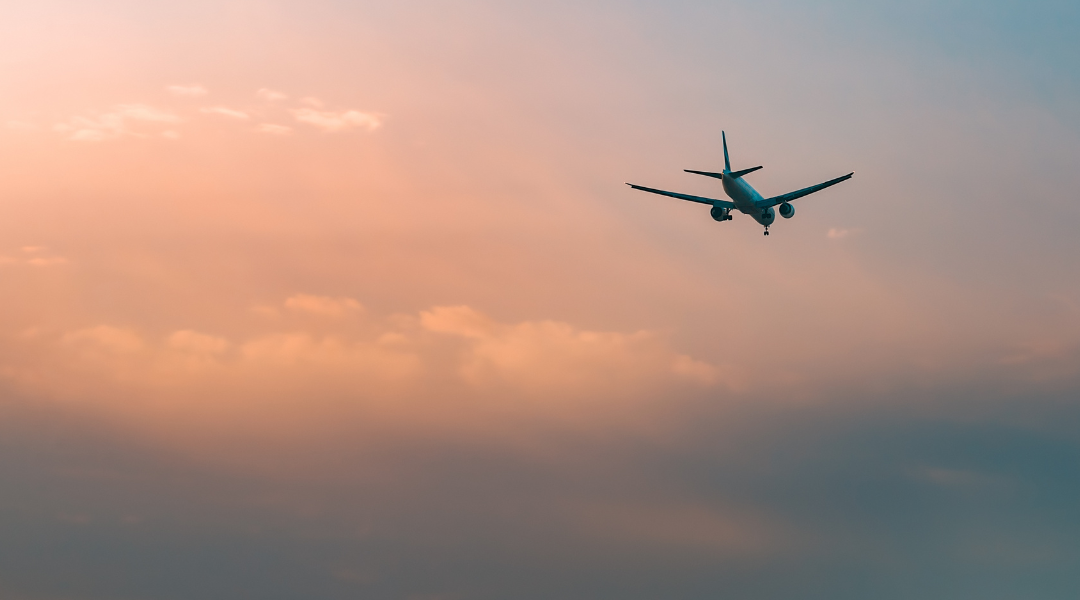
(137, 120)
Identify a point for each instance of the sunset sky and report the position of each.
(349, 299)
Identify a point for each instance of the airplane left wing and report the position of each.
(800, 193)
(709, 201)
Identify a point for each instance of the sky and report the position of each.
(336, 300)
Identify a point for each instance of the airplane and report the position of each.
(744, 197)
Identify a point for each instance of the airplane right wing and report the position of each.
(709, 201)
(800, 193)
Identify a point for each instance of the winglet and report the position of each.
(727, 161)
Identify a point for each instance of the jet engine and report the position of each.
(720, 214)
(787, 210)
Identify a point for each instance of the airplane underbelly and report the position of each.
(742, 197)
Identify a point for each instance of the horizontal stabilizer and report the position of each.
(738, 174)
(705, 173)
(710, 201)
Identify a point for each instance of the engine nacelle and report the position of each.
(786, 210)
(720, 214)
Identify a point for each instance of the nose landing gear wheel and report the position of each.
(766, 231)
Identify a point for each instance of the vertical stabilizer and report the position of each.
(727, 161)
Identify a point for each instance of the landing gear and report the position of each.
(766, 231)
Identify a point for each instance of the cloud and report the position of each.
(546, 355)
(113, 124)
(270, 95)
(225, 112)
(337, 121)
(360, 364)
(142, 112)
(86, 131)
(458, 320)
(442, 352)
(197, 343)
(47, 261)
(187, 90)
(1036, 351)
(323, 305)
(105, 338)
(33, 256)
(273, 129)
(1045, 360)
(839, 234)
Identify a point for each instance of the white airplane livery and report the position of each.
(745, 198)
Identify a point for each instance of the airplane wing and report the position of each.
(800, 193)
(709, 201)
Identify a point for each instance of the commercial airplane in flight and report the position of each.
(743, 197)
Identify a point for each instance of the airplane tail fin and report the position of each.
(727, 161)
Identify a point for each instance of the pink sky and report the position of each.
(264, 230)
(386, 209)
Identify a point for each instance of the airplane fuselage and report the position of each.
(746, 198)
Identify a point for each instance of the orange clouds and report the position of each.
(104, 339)
(122, 120)
(270, 95)
(549, 356)
(187, 90)
(35, 256)
(226, 112)
(273, 129)
(371, 360)
(140, 120)
(337, 121)
(322, 305)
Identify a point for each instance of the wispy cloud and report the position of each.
(323, 305)
(142, 112)
(225, 112)
(270, 95)
(273, 129)
(114, 123)
(105, 337)
(197, 343)
(47, 261)
(187, 90)
(34, 256)
(839, 234)
(547, 355)
(338, 121)
(527, 357)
